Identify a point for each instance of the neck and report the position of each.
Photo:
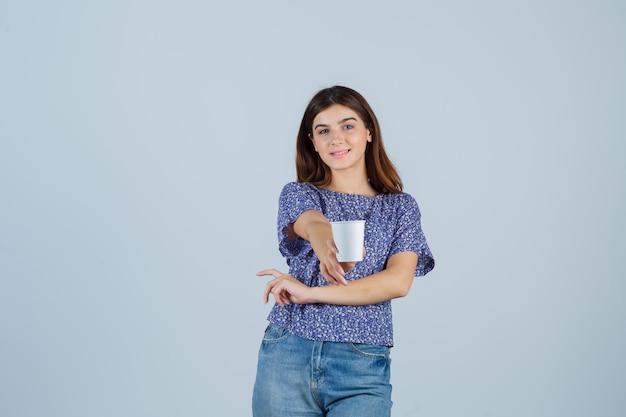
(351, 184)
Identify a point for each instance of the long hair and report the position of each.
(381, 172)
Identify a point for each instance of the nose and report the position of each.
(337, 137)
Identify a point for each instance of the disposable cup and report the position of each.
(348, 236)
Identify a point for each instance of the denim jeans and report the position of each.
(298, 377)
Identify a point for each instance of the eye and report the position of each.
(348, 127)
(322, 131)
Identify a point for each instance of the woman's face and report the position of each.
(340, 138)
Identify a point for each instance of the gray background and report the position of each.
(144, 144)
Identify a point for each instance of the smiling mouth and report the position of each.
(339, 154)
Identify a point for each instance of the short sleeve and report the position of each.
(295, 199)
(410, 237)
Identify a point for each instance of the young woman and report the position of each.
(326, 349)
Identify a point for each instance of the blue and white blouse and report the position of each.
(392, 226)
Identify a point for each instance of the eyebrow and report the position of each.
(340, 122)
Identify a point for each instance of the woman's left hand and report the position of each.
(285, 288)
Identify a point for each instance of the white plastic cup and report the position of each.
(349, 236)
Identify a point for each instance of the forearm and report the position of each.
(372, 289)
(393, 282)
(318, 233)
(313, 226)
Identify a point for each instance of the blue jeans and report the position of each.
(298, 377)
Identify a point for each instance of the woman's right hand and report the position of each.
(313, 226)
(331, 268)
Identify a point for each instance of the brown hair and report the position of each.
(310, 168)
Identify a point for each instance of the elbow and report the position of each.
(403, 287)
(403, 292)
(401, 269)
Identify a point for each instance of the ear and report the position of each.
(311, 139)
(369, 135)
